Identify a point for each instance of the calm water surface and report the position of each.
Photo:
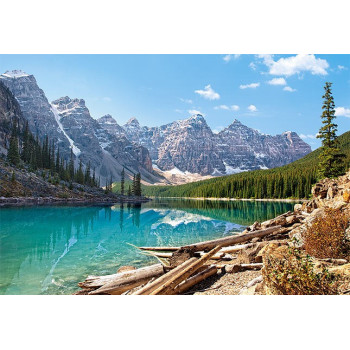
(49, 249)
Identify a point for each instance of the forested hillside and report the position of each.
(290, 181)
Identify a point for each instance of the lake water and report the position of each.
(49, 249)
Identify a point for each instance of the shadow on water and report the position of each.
(48, 250)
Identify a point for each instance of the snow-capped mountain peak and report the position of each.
(15, 74)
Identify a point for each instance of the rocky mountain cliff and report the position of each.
(190, 146)
(242, 148)
(35, 107)
(69, 124)
(106, 151)
(186, 148)
(10, 111)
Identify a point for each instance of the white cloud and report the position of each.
(341, 67)
(249, 86)
(195, 111)
(227, 108)
(252, 108)
(342, 112)
(288, 88)
(185, 100)
(252, 65)
(228, 58)
(295, 65)
(208, 93)
(178, 111)
(107, 99)
(277, 81)
(267, 59)
(308, 136)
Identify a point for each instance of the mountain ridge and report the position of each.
(186, 148)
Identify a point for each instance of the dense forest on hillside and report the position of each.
(290, 181)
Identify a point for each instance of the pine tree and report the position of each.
(88, 174)
(133, 188)
(94, 178)
(13, 152)
(80, 175)
(331, 160)
(26, 152)
(111, 184)
(71, 165)
(138, 184)
(122, 182)
(58, 163)
(129, 191)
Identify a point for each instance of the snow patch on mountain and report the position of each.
(15, 74)
(75, 149)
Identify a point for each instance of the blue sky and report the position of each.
(271, 93)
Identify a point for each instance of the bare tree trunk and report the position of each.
(169, 285)
(192, 281)
(121, 282)
(159, 281)
(226, 241)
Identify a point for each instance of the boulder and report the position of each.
(298, 207)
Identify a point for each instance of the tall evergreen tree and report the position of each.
(133, 185)
(129, 191)
(122, 182)
(331, 160)
(71, 165)
(138, 184)
(88, 174)
(26, 151)
(58, 163)
(80, 175)
(13, 152)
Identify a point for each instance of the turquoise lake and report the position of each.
(49, 249)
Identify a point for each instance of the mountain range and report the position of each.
(181, 151)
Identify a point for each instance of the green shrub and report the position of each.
(294, 273)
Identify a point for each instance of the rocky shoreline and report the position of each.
(272, 260)
(28, 201)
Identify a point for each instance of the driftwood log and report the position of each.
(192, 281)
(242, 267)
(121, 282)
(230, 240)
(160, 249)
(175, 279)
(149, 288)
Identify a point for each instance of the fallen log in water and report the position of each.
(121, 282)
(176, 278)
(160, 254)
(192, 281)
(227, 241)
(159, 281)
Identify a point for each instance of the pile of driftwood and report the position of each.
(180, 268)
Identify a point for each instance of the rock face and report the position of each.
(10, 111)
(183, 148)
(35, 108)
(191, 146)
(98, 143)
(69, 124)
(243, 148)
